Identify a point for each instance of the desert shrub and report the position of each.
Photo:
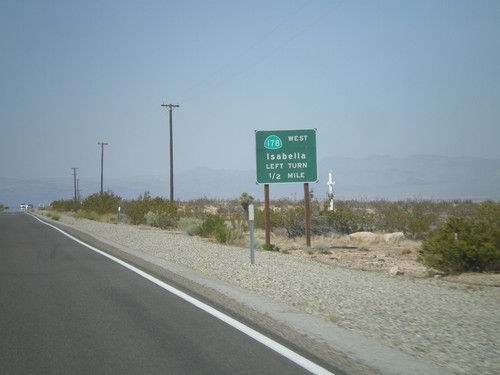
(291, 219)
(214, 226)
(459, 208)
(137, 209)
(238, 226)
(163, 216)
(389, 216)
(415, 217)
(348, 217)
(321, 248)
(199, 208)
(64, 205)
(167, 213)
(189, 225)
(420, 217)
(122, 218)
(294, 222)
(54, 216)
(157, 212)
(270, 247)
(276, 218)
(89, 215)
(466, 244)
(105, 203)
(344, 218)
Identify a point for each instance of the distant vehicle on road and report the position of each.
(26, 207)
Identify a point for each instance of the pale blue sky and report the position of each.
(393, 78)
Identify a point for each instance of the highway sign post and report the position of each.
(286, 157)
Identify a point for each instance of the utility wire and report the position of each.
(202, 81)
(246, 51)
(186, 95)
(266, 56)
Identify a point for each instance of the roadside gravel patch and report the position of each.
(451, 325)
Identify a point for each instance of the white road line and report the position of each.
(282, 350)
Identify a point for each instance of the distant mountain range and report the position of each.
(375, 177)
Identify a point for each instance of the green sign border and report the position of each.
(286, 156)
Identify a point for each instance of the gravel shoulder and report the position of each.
(453, 326)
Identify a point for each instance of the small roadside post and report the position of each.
(251, 219)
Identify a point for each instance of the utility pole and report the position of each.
(74, 183)
(170, 108)
(102, 160)
(78, 190)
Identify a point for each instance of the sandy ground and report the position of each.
(373, 254)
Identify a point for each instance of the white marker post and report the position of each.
(251, 219)
(330, 184)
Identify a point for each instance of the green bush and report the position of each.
(420, 216)
(214, 226)
(276, 218)
(137, 209)
(345, 218)
(389, 216)
(162, 217)
(55, 217)
(157, 212)
(89, 215)
(270, 247)
(64, 205)
(237, 228)
(294, 221)
(466, 244)
(105, 203)
(189, 225)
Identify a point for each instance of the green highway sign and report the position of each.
(286, 156)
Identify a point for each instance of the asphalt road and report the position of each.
(65, 309)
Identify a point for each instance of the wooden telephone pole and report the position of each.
(170, 108)
(102, 162)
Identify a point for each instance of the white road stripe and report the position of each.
(282, 350)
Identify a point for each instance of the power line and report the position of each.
(240, 55)
(186, 94)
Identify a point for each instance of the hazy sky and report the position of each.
(393, 78)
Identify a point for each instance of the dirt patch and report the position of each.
(373, 253)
